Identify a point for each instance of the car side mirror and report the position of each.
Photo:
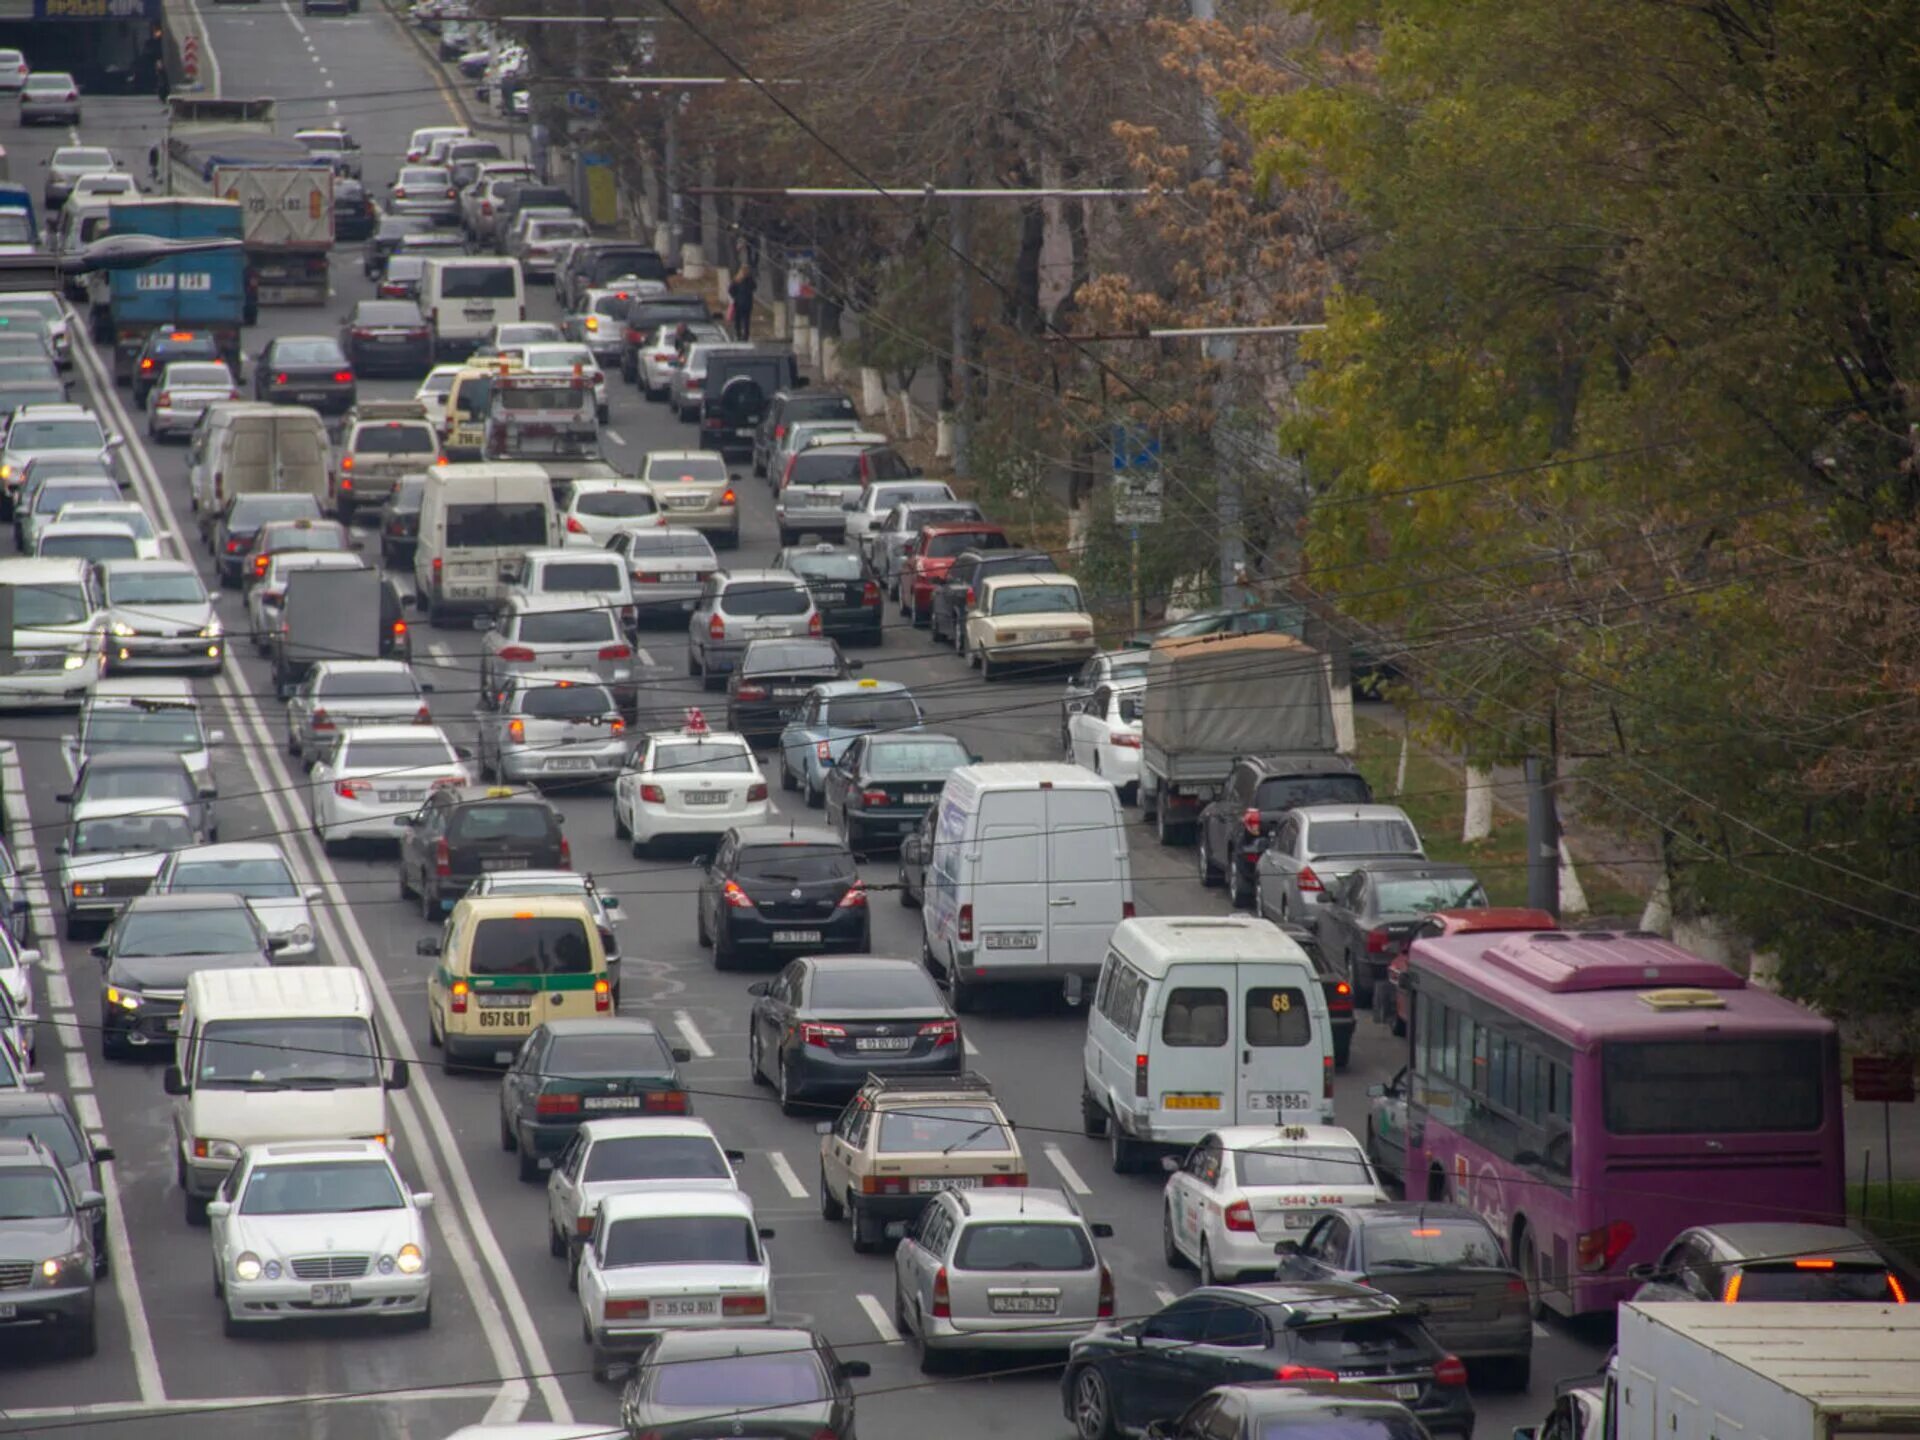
(62, 848)
(219, 1209)
(766, 1232)
(823, 1127)
(99, 952)
(681, 1054)
(412, 601)
(277, 943)
(209, 792)
(65, 797)
(423, 1199)
(1284, 1248)
(27, 958)
(102, 1154)
(30, 1079)
(216, 737)
(1375, 1092)
(854, 1369)
(1644, 1271)
(1101, 1230)
(465, 752)
(405, 822)
(609, 902)
(401, 1076)
(315, 895)
(173, 1082)
(735, 1157)
(759, 987)
(428, 946)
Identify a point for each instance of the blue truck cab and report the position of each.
(19, 221)
(205, 292)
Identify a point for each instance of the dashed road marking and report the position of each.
(1164, 1295)
(1057, 1158)
(882, 1322)
(613, 435)
(690, 1032)
(59, 993)
(1539, 1331)
(796, 1187)
(79, 1072)
(87, 1107)
(146, 1360)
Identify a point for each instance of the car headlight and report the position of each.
(410, 1260)
(212, 629)
(62, 1268)
(271, 1270)
(125, 999)
(74, 662)
(121, 628)
(247, 1266)
(302, 935)
(205, 1149)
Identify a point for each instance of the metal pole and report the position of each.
(1543, 838)
(961, 299)
(672, 179)
(1886, 1118)
(1136, 577)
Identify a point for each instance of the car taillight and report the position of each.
(423, 716)
(1139, 1076)
(743, 1305)
(1379, 941)
(628, 1309)
(233, 545)
(1304, 1372)
(869, 594)
(1600, 1248)
(1011, 1180)
(1239, 1216)
(1106, 1293)
(969, 596)
(1126, 909)
(855, 898)
(653, 795)
(259, 565)
(442, 859)
(343, 377)
(163, 401)
(280, 378)
(437, 565)
(1124, 740)
(557, 1105)
(583, 1225)
(457, 999)
(779, 432)
(516, 652)
(813, 623)
(941, 1032)
(875, 797)
(717, 628)
(517, 731)
(942, 1296)
(883, 1185)
(965, 930)
(1309, 882)
(616, 652)
(399, 629)
(750, 692)
(736, 897)
(812, 1032)
(616, 726)
(1340, 1002)
(645, 577)
(727, 497)
(756, 792)
(566, 853)
(350, 789)
(1250, 820)
(574, 527)
(603, 998)
(1326, 1077)
(147, 364)
(321, 720)
(1449, 1371)
(400, 191)
(823, 751)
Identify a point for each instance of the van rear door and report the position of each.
(1279, 1061)
(1192, 1035)
(1086, 876)
(1009, 894)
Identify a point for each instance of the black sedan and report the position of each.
(776, 890)
(568, 1071)
(385, 239)
(151, 949)
(354, 215)
(161, 348)
(882, 784)
(310, 370)
(848, 601)
(400, 520)
(1368, 917)
(773, 677)
(825, 1023)
(781, 1384)
(38, 1115)
(1230, 1335)
(231, 532)
(387, 337)
(1265, 1409)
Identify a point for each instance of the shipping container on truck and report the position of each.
(205, 292)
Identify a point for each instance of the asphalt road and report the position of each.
(505, 1342)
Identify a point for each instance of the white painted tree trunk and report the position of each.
(1400, 772)
(909, 423)
(1479, 821)
(873, 391)
(943, 435)
(830, 358)
(1573, 900)
(693, 262)
(1658, 916)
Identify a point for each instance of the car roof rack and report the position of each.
(912, 1084)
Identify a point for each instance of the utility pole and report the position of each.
(1220, 350)
(1543, 837)
(960, 219)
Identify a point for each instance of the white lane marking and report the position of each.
(966, 1043)
(295, 19)
(69, 1036)
(329, 84)
(126, 1284)
(246, 1402)
(333, 104)
(87, 1107)
(59, 993)
(440, 653)
(796, 1187)
(613, 435)
(690, 1032)
(1539, 1331)
(882, 1322)
(79, 1072)
(464, 1227)
(1164, 1295)
(1071, 1176)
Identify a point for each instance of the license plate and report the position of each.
(506, 1019)
(787, 692)
(882, 1042)
(327, 1295)
(396, 795)
(504, 862)
(705, 797)
(1015, 940)
(1022, 1304)
(610, 1102)
(796, 937)
(934, 1183)
(1189, 1102)
(1278, 1100)
(1404, 1392)
(9, 1311)
(746, 434)
(685, 502)
(919, 797)
(478, 312)
(505, 1000)
(1300, 1219)
(569, 763)
(309, 397)
(832, 594)
(683, 1309)
(171, 1026)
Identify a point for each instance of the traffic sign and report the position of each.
(581, 103)
(1138, 488)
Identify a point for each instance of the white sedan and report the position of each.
(372, 775)
(671, 1260)
(629, 1157)
(688, 782)
(320, 1229)
(1245, 1188)
(1103, 733)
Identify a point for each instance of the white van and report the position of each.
(55, 650)
(239, 447)
(1028, 876)
(273, 1054)
(464, 297)
(1200, 1022)
(472, 519)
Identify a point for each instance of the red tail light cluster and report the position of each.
(756, 792)
(516, 652)
(665, 1102)
(1106, 1293)
(1250, 819)
(457, 998)
(736, 897)
(942, 1308)
(855, 898)
(653, 795)
(1140, 1076)
(941, 1032)
(1450, 1371)
(965, 924)
(321, 720)
(1379, 941)
(1340, 1002)
(1304, 1372)
(1600, 1248)
(1239, 1217)
(1309, 882)
(442, 859)
(750, 692)
(557, 1105)
(820, 1036)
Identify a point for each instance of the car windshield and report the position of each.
(942, 1129)
(211, 931)
(191, 374)
(51, 1130)
(572, 577)
(394, 439)
(1442, 892)
(617, 504)
(157, 834)
(1821, 1281)
(531, 945)
(695, 758)
(334, 1187)
(477, 282)
(306, 352)
(47, 605)
(883, 987)
(1384, 836)
(634, 1053)
(506, 526)
(136, 782)
(566, 627)
(680, 1240)
(826, 565)
(1423, 1242)
(944, 547)
(886, 710)
(740, 1384)
(369, 683)
(656, 1157)
(310, 1053)
(1028, 1245)
(429, 751)
(263, 879)
(1303, 1165)
(706, 468)
(1036, 599)
(766, 598)
(54, 497)
(795, 862)
(568, 702)
(915, 757)
(100, 545)
(164, 729)
(32, 1195)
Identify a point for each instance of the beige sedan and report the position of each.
(1035, 619)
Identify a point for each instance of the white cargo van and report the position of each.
(464, 297)
(239, 447)
(1201, 1022)
(1028, 876)
(273, 1054)
(472, 518)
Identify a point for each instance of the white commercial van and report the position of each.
(1201, 1022)
(464, 297)
(472, 519)
(1028, 876)
(240, 447)
(273, 1054)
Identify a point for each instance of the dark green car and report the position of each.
(594, 1068)
(719, 1384)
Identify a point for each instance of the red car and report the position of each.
(1491, 920)
(931, 556)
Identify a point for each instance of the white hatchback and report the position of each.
(688, 782)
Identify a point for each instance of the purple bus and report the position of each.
(1594, 1094)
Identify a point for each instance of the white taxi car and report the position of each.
(671, 1260)
(371, 775)
(691, 781)
(1245, 1188)
(1034, 619)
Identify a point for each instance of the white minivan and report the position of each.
(1027, 877)
(1200, 1022)
(273, 1054)
(473, 519)
(465, 296)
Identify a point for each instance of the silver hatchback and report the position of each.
(738, 606)
(553, 727)
(541, 632)
(1012, 1270)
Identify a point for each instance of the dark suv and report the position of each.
(953, 596)
(790, 407)
(46, 1247)
(466, 831)
(740, 387)
(779, 891)
(1259, 790)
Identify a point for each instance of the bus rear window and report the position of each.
(1733, 1087)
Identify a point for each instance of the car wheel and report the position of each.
(509, 1142)
(830, 1208)
(1208, 1275)
(1092, 1406)
(529, 1165)
(754, 1072)
(791, 1103)
(786, 776)
(1342, 1047)
(1123, 1152)
(406, 889)
(1526, 1258)
(1170, 1252)
(1093, 1115)
(230, 1327)
(556, 1242)
(1239, 895)
(429, 904)
(620, 831)
(86, 1340)
(860, 1231)
(725, 956)
(932, 1361)
(1209, 872)
(693, 661)
(907, 902)
(195, 1209)
(700, 924)
(815, 798)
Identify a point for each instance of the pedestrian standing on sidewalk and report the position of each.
(740, 311)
